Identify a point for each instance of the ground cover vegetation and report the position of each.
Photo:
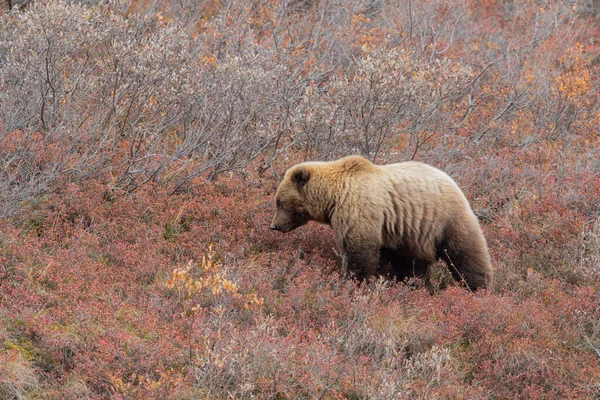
(141, 144)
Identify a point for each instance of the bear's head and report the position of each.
(290, 200)
(309, 191)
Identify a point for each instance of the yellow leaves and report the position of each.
(575, 81)
(207, 60)
(208, 284)
(141, 385)
(309, 91)
(152, 100)
(574, 84)
(367, 36)
(253, 300)
(360, 19)
(547, 156)
(179, 277)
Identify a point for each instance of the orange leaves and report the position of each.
(575, 80)
(143, 386)
(204, 284)
(366, 33)
(207, 60)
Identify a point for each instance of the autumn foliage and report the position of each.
(141, 144)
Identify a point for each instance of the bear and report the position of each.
(394, 219)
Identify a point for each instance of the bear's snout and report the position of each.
(279, 228)
(286, 221)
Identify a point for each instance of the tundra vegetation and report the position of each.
(141, 144)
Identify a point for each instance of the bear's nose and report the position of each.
(273, 227)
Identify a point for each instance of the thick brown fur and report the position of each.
(408, 215)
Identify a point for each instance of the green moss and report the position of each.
(25, 347)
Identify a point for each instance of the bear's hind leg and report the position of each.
(468, 262)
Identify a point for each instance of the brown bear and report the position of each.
(407, 215)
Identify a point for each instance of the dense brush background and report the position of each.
(135, 134)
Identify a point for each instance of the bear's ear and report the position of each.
(300, 176)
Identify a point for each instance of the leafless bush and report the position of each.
(589, 260)
(155, 93)
(388, 94)
(428, 28)
(135, 96)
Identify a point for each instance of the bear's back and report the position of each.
(420, 178)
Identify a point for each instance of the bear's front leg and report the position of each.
(360, 264)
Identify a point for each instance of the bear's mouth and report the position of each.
(274, 227)
(282, 229)
(285, 222)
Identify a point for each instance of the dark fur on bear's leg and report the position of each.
(360, 264)
(462, 270)
(467, 265)
(402, 267)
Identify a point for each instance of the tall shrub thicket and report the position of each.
(155, 92)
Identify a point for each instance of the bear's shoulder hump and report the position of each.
(355, 164)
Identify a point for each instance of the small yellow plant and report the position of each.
(141, 385)
(201, 288)
(211, 280)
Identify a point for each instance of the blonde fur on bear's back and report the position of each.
(411, 200)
